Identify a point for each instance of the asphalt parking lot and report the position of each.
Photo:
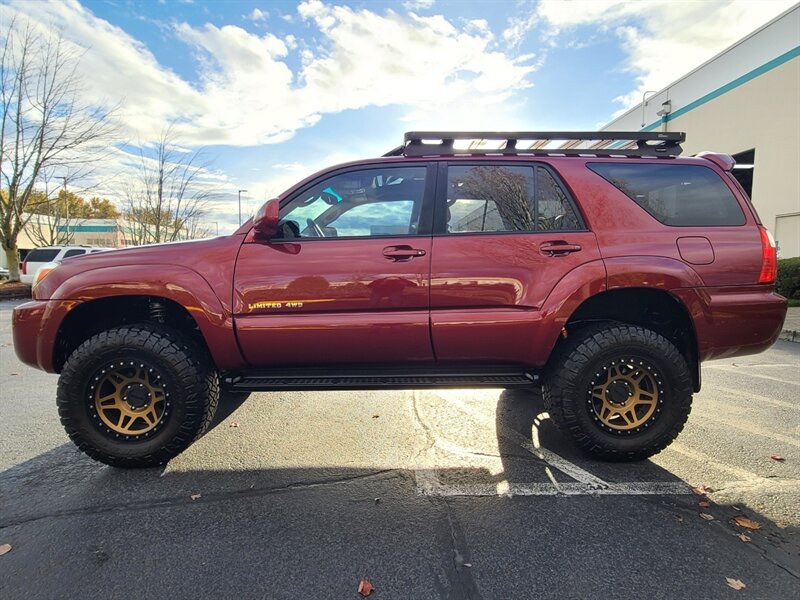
(446, 494)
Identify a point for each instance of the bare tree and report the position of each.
(167, 198)
(43, 125)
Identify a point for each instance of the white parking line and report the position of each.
(751, 396)
(586, 484)
(433, 487)
(749, 374)
(749, 428)
(553, 459)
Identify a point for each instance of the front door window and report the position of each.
(363, 203)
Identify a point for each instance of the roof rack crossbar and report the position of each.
(542, 143)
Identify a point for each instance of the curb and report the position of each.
(789, 335)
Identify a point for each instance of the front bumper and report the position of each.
(35, 330)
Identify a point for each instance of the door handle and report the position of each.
(558, 248)
(402, 252)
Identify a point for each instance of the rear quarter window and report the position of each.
(42, 255)
(677, 195)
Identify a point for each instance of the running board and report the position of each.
(380, 379)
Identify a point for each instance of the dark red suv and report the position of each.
(600, 266)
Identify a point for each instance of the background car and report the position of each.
(40, 256)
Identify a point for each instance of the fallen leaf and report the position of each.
(746, 522)
(5, 549)
(744, 537)
(704, 504)
(377, 500)
(781, 525)
(735, 583)
(777, 457)
(702, 490)
(467, 564)
(365, 588)
(234, 424)
(680, 519)
(195, 496)
(707, 516)
(734, 364)
(375, 416)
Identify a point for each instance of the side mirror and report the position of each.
(265, 221)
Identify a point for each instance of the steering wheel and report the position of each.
(316, 229)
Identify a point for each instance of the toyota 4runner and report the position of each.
(600, 266)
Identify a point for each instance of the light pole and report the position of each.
(66, 207)
(240, 206)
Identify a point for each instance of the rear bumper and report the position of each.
(734, 321)
(35, 328)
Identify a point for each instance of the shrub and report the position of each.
(788, 283)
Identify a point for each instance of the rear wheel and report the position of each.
(136, 396)
(620, 392)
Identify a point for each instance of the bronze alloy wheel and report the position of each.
(128, 400)
(625, 396)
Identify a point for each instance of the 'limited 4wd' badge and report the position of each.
(284, 303)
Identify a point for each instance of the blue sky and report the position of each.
(274, 90)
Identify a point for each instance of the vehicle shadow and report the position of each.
(81, 529)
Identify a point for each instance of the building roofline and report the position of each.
(709, 61)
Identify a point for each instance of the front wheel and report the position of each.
(136, 396)
(620, 392)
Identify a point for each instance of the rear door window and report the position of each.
(42, 255)
(76, 252)
(677, 195)
(506, 198)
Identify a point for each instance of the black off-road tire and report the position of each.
(582, 360)
(189, 381)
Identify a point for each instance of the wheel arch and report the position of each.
(88, 318)
(651, 308)
(119, 295)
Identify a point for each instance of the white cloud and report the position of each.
(245, 92)
(663, 40)
(295, 166)
(257, 15)
(418, 4)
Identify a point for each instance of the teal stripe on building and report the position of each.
(766, 67)
(88, 228)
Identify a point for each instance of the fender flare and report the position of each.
(179, 284)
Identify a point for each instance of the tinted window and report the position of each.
(489, 198)
(554, 208)
(368, 202)
(41, 255)
(69, 253)
(680, 195)
(506, 198)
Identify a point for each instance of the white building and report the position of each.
(745, 102)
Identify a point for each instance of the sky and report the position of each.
(272, 91)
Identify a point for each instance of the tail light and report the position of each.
(25, 267)
(769, 257)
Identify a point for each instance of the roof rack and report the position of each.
(540, 143)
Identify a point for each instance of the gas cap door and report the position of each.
(696, 250)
